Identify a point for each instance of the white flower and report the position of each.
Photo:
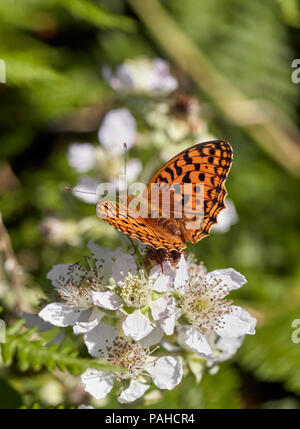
(226, 218)
(205, 311)
(78, 288)
(118, 126)
(142, 75)
(136, 292)
(81, 156)
(136, 363)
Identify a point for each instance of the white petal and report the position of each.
(63, 273)
(230, 278)
(108, 300)
(228, 347)
(193, 339)
(97, 383)
(118, 126)
(238, 322)
(137, 326)
(169, 347)
(162, 307)
(168, 324)
(166, 372)
(153, 338)
(103, 260)
(121, 267)
(99, 339)
(81, 156)
(60, 314)
(133, 392)
(181, 276)
(161, 278)
(88, 320)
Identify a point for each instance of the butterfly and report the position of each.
(204, 165)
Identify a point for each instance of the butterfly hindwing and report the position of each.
(126, 220)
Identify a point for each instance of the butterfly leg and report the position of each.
(133, 245)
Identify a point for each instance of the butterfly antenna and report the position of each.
(69, 188)
(125, 165)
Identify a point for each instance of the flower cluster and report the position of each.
(147, 319)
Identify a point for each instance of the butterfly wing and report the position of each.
(127, 221)
(205, 163)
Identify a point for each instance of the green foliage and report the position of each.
(272, 355)
(245, 40)
(55, 94)
(36, 350)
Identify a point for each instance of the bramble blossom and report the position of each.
(137, 364)
(142, 75)
(127, 306)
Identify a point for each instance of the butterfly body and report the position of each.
(189, 214)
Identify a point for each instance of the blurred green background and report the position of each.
(234, 57)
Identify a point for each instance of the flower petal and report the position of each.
(230, 278)
(81, 156)
(63, 273)
(181, 276)
(236, 323)
(97, 383)
(153, 338)
(162, 307)
(88, 320)
(228, 347)
(121, 267)
(137, 326)
(98, 339)
(133, 392)
(117, 126)
(161, 278)
(168, 324)
(193, 339)
(103, 260)
(166, 372)
(108, 300)
(60, 314)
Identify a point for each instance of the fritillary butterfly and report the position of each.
(206, 163)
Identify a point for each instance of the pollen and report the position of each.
(77, 288)
(203, 304)
(131, 357)
(135, 290)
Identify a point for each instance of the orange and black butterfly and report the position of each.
(207, 164)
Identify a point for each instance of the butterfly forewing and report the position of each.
(201, 171)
